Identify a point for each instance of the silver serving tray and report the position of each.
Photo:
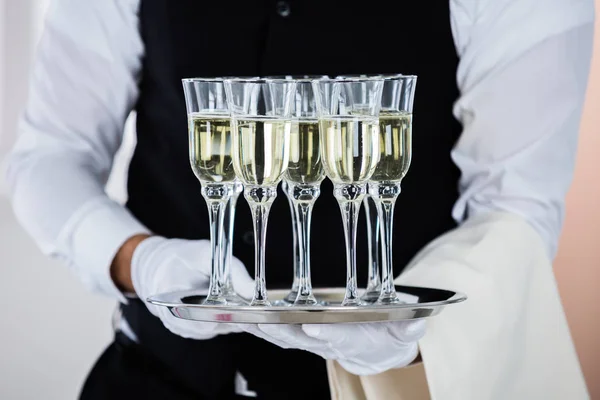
(417, 302)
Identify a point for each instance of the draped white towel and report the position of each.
(509, 340)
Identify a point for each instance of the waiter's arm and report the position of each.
(83, 86)
(522, 77)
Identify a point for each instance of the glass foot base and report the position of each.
(260, 303)
(352, 302)
(306, 301)
(370, 296)
(234, 299)
(386, 299)
(282, 303)
(230, 295)
(290, 298)
(215, 301)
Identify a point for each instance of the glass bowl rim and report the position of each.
(353, 77)
(214, 78)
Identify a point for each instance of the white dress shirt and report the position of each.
(516, 152)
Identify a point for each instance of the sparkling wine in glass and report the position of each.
(261, 126)
(395, 151)
(210, 154)
(348, 112)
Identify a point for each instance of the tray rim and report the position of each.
(457, 297)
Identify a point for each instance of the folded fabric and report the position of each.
(510, 339)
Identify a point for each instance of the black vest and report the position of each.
(190, 38)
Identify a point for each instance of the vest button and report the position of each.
(283, 8)
(248, 237)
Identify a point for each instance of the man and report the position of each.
(481, 208)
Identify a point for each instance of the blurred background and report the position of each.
(52, 330)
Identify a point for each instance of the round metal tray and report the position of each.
(417, 302)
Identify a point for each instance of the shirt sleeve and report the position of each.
(82, 89)
(522, 77)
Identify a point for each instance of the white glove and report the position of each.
(362, 348)
(164, 265)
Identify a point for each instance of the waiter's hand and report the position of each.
(362, 348)
(164, 265)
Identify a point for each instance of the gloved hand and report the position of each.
(361, 348)
(164, 265)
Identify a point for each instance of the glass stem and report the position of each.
(291, 297)
(260, 200)
(385, 207)
(374, 281)
(349, 198)
(216, 213)
(227, 248)
(226, 245)
(304, 199)
(216, 199)
(227, 289)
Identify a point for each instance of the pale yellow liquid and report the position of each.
(395, 146)
(350, 148)
(261, 150)
(210, 148)
(305, 165)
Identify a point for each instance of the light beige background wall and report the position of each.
(52, 329)
(577, 265)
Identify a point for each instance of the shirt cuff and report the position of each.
(92, 238)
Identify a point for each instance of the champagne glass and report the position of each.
(304, 172)
(261, 123)
(227, 251)
(348, 113)
(303, 177)
(373, 289)
(395, 146)
(210, 158)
